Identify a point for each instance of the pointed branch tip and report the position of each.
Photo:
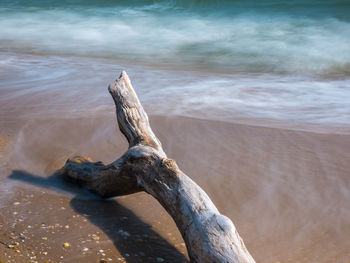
(123, 74)
(122, 79)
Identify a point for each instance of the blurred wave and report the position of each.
(48, 87)
(304, 37)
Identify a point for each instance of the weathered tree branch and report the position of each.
(209, 236)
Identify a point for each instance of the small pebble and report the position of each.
(94, 237)
(160, 259)
(66, 244)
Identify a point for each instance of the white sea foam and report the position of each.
(247, 41)
(77, 87)
(241, 61)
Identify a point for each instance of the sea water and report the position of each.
(279, 60)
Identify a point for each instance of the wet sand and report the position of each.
(287, 191)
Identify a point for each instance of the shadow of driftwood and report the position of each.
(130, 234)
(55, 182)
(127, 231)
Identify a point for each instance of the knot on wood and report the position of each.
(80, 159)
(169, 164)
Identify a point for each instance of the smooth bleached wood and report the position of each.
(209, 236)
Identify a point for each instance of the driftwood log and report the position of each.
(209, 236)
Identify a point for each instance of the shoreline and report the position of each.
(265, 99)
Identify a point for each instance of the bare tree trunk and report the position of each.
(209, 236)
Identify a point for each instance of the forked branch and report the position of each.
(209, 236)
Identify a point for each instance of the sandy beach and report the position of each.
(286, 191)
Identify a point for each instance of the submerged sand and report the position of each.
(287, 191)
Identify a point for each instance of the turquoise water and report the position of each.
(285, 60)
(254, 36)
